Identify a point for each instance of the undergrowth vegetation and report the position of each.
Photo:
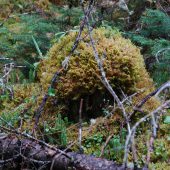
(37, 36)
(153, 36)
(26, 37)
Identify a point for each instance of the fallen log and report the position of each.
(21, 153)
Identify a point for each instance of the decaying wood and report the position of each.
(24, 153)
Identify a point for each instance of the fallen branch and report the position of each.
(16, 150)
(155, 93)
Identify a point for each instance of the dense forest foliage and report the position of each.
(90, 77)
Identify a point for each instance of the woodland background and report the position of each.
(84, 79)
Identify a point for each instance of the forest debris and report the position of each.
(29, 153)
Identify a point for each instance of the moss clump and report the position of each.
(159, 166)
(20, 110)
(24, 95)
(122, 62)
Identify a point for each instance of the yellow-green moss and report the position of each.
(159, 166)
(122, 61)
(23, 95)
(27, 98)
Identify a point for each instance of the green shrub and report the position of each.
(152, 37)
(22, 33)
(92, 144)
(155, 24)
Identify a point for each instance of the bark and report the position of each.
(18, 154)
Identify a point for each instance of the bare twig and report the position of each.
(80, 124)
(103, 76)
(105, 144)
(86, 14)
(7, 69)
(34, 160)
(5, 58)
(64, 66)
(9, 160)
(159, 52)
(41, 107)
(162, 88)
(150, 142)
(150, 95)
(134, 152)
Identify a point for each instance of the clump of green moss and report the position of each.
(26, 98)
(23, 94)
(159, 166)
(122, 62)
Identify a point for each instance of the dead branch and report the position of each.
(80, 125)
(34, 153)
(64, 66)
(103, 75)
(31, 138)
(159, 52)
(133, 129)
(146, 98)
(106, 143)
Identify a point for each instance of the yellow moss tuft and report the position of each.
(159, 166)
(23, 95)
(122, 62)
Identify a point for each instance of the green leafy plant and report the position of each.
(51, 92)
(155, 23)
(160, 151)
(167, 120)
(115, 147)
(10, 118)
(58, 133)
(92, 144)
